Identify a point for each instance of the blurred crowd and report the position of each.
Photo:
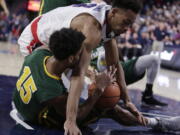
(157, 23)
(12, 26)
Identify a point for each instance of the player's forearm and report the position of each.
(73, 98)
(87, 106)
(121, 82)
(3, 4)
(112, 58)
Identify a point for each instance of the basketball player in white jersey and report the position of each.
(98, 22)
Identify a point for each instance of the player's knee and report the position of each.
(154, 60)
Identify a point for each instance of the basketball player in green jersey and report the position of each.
(39, 85)
(40, 96)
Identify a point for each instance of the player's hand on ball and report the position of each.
(105, 78)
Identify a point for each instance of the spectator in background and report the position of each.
(16, 25)
(121, 41)
(177, 43)
(136, 46)
(146, 42)
(11, 28)
(158, 43)
(159, 34)
(127, 46)
(3, 26)
(168, 41)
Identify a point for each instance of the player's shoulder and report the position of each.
(89, 19)
(86, 20)
(42, 51)
(38, 54)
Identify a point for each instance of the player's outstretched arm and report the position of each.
(112, 59)
(90, 28)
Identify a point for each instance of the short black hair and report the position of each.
(65, 42)
(134, 5)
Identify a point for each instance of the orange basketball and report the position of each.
(110, 96)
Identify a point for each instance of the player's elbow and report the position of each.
(23, 47)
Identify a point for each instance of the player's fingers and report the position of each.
(110, 70)
(114, 66)
(95, 71)
(80, 133)
(134, 111)
(144, 121)
(105, 71)
(113, 80)
(65, 132)
(114, 72)
(113, 77)
(139, 119)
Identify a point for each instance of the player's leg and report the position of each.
(150, 64)
(168, 124)
(54, 117)
(130, 75)
(126, 118)
(51, 117)
(122, 116)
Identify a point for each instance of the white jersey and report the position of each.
(59, 18)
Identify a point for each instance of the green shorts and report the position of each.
(130, 74)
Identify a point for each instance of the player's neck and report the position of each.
(55, 67)
(108, 30)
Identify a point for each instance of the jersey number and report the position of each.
(26, 86)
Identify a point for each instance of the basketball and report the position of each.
(110, 96)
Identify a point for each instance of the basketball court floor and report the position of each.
(166, 88)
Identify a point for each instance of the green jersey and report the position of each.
(36, 85)
(47, 5)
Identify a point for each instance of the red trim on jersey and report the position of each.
(34, 26)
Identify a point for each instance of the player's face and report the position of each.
(120, 20)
